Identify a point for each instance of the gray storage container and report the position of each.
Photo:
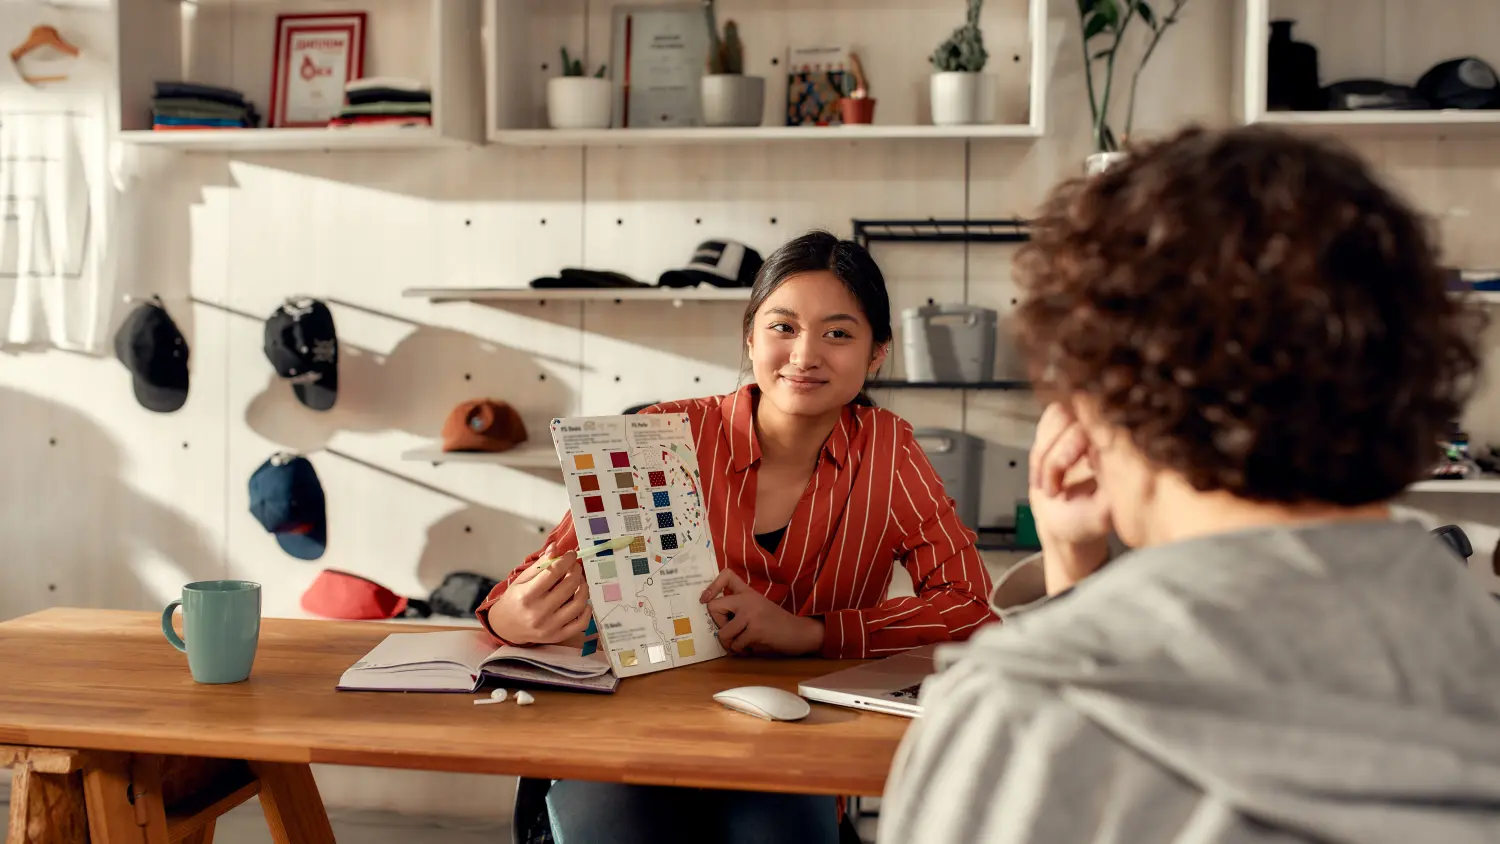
(949, 343)
(958, 459)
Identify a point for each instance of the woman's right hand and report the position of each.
(543, 606)
(1072, 515)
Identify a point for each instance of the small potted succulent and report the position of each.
(961, 93)
(857, 106)
(575, 101)
(729, 97)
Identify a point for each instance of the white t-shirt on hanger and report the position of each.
(58, 197)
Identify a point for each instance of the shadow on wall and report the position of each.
(412, 389)
(480, 540)
(75, 533)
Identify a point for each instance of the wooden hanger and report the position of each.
(43, 36)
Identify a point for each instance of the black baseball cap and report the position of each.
(150, 345)
(303, 347)
(286, 497)
(722, 263)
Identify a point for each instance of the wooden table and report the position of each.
(97, 707)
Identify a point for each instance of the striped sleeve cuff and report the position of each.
(844, 635)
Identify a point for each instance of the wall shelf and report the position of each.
(1389, 123)
(941, 231)
(949, 385)
(580, 294)
(1490, 484)
(231, 44)
(521, 39)
(522, 457)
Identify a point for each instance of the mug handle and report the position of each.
(166, 625)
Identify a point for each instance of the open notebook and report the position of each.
(460, 660)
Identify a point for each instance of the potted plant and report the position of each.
(729, 97)
(857, 106)
(961, 93)
(575, 101)
(1104, 24)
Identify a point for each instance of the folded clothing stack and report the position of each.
(385, 101)
(188, 105)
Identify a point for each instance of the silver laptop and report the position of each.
(887, 685)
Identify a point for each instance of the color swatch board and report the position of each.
(637, 476)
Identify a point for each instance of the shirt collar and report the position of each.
(744, 448)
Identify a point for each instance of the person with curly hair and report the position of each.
(1246, 349)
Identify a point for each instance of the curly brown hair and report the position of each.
(1256, 310)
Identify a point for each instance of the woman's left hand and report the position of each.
(750, 624)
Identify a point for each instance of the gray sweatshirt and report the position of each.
(1329, 683)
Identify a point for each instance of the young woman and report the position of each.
(813, 497)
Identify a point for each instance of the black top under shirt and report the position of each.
(771, 539)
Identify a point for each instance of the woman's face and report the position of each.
(811, 346)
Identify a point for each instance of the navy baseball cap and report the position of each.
(150, 345)
(301, 344)
(287, 499)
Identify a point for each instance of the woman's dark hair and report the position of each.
(1256, 310)
(851, 263)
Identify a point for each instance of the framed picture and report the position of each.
(316, 55)
(658, 54)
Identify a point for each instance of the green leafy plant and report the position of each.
(964, 50)
(574, 67)
(726, 54)
(1104, 24)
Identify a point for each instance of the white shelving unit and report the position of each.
(522, 457)
(232, 43)
(676, 295)
(1393, 40)
(522, 39)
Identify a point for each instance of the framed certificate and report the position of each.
(658, 55)
(316, 54)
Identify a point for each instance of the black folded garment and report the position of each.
(193, 90)
(573, 278)
(388, 95)
(460, 594)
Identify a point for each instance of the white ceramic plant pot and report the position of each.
(579, 102)
(1101, 161)
(960, 98)
(730, 99)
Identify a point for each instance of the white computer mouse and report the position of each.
(765, 702)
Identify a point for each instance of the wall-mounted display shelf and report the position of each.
(580, 294)
(522, 40)
(949, 385)
(1392, 41)
(1485, 484)
(940, 231)
(525, 456)
(229, 43)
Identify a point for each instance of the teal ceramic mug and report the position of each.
(221, 625)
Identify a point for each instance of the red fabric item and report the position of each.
(339, 594)
(874, 504)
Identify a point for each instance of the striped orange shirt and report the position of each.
(873, 501)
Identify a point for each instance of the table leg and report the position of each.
(294, 809)
(46, 808)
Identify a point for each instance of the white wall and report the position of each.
(107, 505)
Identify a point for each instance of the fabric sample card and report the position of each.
(638, 545)
(612, 592)
(593, 503)
(599, 525)
(664, 519)
(682, 626)
(619, 459)
(607, 571)
(608, 552)
(669, 542)
(661, 499)
(588, 483)
(657, 478)
(624, 480)
(632, 522)
(685, 647)
(628, 501)
(640, 567)
(583, 462)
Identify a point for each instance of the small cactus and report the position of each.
(964, 49)
(574, 67)
(726, 54)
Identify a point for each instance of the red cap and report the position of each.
(483, 425)
(339, 594)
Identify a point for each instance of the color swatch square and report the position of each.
(607, 570)
(632, 522)
(638, 545)
(627, 658)
(583, 462)
(628, 501)
(619, 459)
(657, 478)
(668, 541)
(640, 567)
(685, 647)
(608, 552)
(624, 480)
(664, 519)
(661, 499)
(656, 653)
(598, 525)
(612, 592)
(682, 626)
(593, 503)
(588, 483)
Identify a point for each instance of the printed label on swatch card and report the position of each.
(637, 476)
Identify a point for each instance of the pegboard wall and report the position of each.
(109, 505)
